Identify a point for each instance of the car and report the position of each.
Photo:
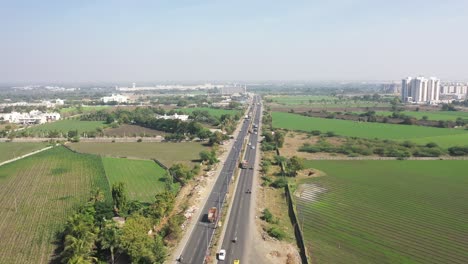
(236, 261)
(253, 147)
(222, 254)
(250, 143)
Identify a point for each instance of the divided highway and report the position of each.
(236, 236)
(198, 244)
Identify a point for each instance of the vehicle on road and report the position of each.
(234, 239)
(252, 147)
(236, 261)
(244, 164)
(212, 214)
(222, 254)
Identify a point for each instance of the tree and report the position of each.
(110, 238)
(135, 240)
(279, 139)
(119, 196)
(294, 165)
(208, 156)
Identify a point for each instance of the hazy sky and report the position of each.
(118, 41)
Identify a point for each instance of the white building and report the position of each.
(118, 98)
(173, 117)
(59, 102)
(420, 90)
(33, 117)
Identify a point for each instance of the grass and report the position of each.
(167, 153)
(11, 150)
(46, 189)
(125, 130)
(212, 111)
(433, 115)
(84, 109)
(143, 178)
(66, 125)
(387, 212)
(322, 101)
(420, 134)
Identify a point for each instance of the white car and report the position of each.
(222, 254)
(253, 147)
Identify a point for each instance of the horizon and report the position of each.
(160, 41)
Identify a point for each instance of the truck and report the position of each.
(244, 164)
(212, 214)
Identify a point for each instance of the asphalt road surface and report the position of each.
(237, 226)
(197, 246)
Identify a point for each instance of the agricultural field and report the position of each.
(84, 109)
(212, 111)
(166, 152)
(143, 178)
(385, 212)
(125, 130)
(322, 102)
(63, 126)
(444, 137)
(11, 150)
(37, 195)
(433, 115)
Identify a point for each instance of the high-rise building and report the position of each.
(420, 90)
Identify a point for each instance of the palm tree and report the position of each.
(110, 238)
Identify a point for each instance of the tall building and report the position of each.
(420, 90)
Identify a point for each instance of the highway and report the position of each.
(196, 249)
(237, 226)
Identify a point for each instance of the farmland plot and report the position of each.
(420, 134)
(386, 212)
(37, 194)
(143, 178)
(11, 150)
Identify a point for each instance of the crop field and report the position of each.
(386, 212)
(11, 150)
(84, 109)
(322, 101)
(37, 195)
(213, 111)
(125, 130)
(444, 137)
(165, 152)
(143, 178)
(433, 115)
(64, 126)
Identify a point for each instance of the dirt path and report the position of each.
(25, 155)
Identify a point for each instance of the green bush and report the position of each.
(276, 233)
(279, 183)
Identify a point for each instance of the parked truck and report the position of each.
(212, 214)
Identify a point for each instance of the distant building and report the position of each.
(173, 117)
(59, 102)
(420, 90)
(455, 90)
(33, 117)
(118, 98)
(236, 89)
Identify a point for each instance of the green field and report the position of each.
(322, 101)
(434, 115)
(37, 195)
(445, 137)
(11, 150)
(143, 178)
(213, 111)
(386, 212)
(66, 125)
(165, 152)
(84, 109)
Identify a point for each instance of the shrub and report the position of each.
(267, 215)
(458, 151)
(316, 132)
(276, 233)
(280, 183)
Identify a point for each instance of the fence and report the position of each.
(296, 225)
